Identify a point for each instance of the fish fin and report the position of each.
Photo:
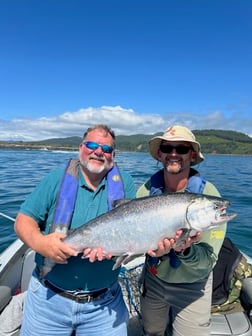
(124, 259)
(121, 260)
(118, 262)
(182, 238)
(186, 233)
(119, 202)
(47, 267)
(129, 258)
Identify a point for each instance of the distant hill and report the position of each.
(224, 142)
(212, 141)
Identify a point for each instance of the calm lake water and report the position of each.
(21, 170)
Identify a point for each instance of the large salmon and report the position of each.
(135, 226)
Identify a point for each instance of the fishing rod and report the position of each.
(6, 216)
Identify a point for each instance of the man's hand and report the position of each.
(165, 245)
(51, 246)
(96, 254)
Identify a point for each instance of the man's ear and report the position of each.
(158, 155)
(193, 156)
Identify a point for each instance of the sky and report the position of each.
(137, 65)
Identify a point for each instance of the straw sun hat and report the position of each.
(176, 133)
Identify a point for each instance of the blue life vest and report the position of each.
(68, 192)
(195, 184)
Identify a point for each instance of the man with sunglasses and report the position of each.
(176, 283)
(81, 293)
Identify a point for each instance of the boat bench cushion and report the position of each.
(5, 296)
(231, 324)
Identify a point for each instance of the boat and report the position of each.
(17, 263)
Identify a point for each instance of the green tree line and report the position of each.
(212, 142)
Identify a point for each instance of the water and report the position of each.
(21, 170)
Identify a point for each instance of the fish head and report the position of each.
(208, 212)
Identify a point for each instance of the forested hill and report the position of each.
(224, 142)
(212, 141)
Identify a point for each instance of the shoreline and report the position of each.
(76, 148)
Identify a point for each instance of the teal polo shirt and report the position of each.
(40, 205)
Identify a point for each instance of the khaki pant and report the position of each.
(176, 309)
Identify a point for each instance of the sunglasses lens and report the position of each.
(107, 149)
(94, 145)
(166, 148)
(91, 145)
(180, 149)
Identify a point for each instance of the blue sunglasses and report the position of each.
(94, 145)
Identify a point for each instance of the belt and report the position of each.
(80, 298)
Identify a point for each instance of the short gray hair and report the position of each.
(105, 128)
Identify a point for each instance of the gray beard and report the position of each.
(88, 165)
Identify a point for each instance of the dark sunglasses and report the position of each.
(94, 145)
(180, 149)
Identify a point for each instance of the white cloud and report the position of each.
(122, 121)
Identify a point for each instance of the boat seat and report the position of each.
(27, 268)
(5, 296)
(231, 325)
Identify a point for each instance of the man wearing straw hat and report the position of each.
(177, 283)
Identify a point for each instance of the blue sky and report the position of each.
(137, 65)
